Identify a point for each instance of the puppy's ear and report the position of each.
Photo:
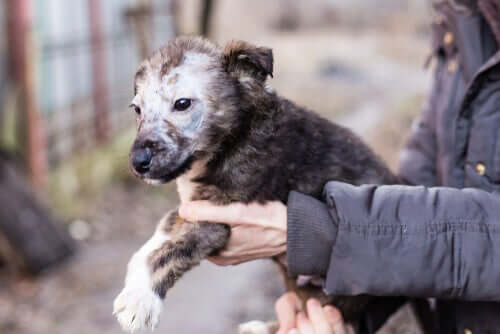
(244, 59)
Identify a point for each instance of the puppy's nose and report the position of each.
(141, 160)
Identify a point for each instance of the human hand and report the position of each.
(320, 320)
(257, 230)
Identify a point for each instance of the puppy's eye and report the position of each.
(136, 109)
(182, 104)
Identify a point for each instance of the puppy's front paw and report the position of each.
(137, 308)
(254, 327)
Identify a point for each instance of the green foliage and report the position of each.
(81, 178)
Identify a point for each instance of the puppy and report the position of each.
(206, 118)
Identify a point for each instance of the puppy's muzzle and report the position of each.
(143, 153)
(141, 160)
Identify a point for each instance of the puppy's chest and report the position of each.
(193, 191)
(190, 190)
(186, 188)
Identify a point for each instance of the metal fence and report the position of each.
(3, 57)
(87, 53)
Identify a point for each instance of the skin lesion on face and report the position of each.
(176, 130)
(171, 137)
(173, 79)
(192, 123)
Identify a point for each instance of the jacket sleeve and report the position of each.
(398, 241)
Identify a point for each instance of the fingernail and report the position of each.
(182, 210)
(185, 210)
(332, 312)
(313, 303)
(329, 309)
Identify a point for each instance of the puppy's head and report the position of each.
(187, 99)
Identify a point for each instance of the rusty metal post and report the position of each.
(206, 16)
(139, 15)
(22, 58)
(99, 72)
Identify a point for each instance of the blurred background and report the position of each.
(71, 213)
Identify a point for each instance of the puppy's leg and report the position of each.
(176, 247)
(190, 243)
(137, 306)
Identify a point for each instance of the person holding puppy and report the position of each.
(438, 236)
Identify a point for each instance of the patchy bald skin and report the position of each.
(193, 124)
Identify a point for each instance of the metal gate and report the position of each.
(87, 52)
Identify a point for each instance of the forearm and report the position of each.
(412, 241)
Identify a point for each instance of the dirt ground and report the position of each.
(368, 77)
(77, 298)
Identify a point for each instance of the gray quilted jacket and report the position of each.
(440, 237)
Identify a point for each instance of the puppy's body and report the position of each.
(236, 142)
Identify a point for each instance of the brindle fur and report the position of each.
(257, 148)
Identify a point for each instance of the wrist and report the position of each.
(311, 233)
(280, 216)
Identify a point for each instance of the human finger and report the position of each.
(304, 325)
(334, 318)
(318, 317)
(206, 211)
(286, 309)
(271, 214)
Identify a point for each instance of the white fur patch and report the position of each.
(185, 185)
(156, 96)
(153, 182)
(138, 306)
(254, 327)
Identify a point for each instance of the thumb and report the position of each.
(197, 211)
